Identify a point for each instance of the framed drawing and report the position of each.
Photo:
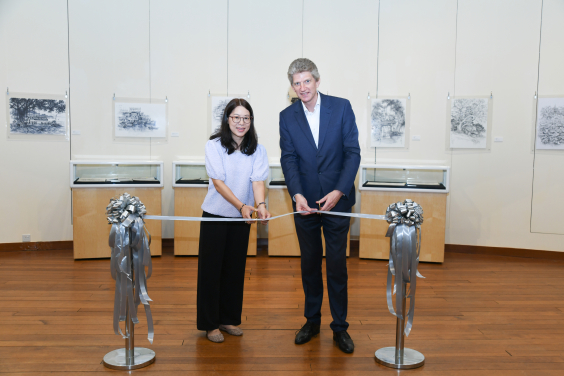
(388, 122)
(39, 116)
(140, 118)
(550, 124)
(216, 106)
(292, 96)
(469, 123)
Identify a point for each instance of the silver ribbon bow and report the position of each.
(405, 219)
(130, 256)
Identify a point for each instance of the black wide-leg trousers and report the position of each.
(335, 230)
(221, 272)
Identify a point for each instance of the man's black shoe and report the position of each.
(306, 333)
(344, 341)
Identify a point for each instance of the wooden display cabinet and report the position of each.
(377, 196)
(94, 183)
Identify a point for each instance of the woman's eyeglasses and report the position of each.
(237, 119)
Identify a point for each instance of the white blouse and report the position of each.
(238, 171)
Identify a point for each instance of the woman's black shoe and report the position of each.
(307, 331)
(344, 341)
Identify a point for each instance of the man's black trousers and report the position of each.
(335, 231)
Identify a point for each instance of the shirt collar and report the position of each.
(317, 104)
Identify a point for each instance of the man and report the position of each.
(320, 159)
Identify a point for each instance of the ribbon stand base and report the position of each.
(399, 357)
(411, 358)
(129, 357)
(142, 358)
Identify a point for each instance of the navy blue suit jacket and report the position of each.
(316, 171)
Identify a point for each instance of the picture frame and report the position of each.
(216, 105)
(389, 121)
(469, 122)
(32, 116)
(139, 118)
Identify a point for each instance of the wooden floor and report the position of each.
(475, 315)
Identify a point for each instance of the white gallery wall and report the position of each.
(548, 177)
(491, 189)
(182, 50)
(35, 198)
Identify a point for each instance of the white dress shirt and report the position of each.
(313, 121)
(313, 118)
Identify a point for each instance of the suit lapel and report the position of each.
(302, 122)
(324, 118)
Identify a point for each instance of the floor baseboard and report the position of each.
(354, 244)
(501, 251)
(36, 246)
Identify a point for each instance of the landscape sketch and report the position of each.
(387, 120)
(38, 116)
(140, 119)
(468, 123)
(550, 123)
(217, 106)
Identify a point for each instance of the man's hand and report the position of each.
(301, 204)
(330, 200)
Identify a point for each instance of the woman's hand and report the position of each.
(247, 212)
(263, 214)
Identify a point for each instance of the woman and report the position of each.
(237, 167)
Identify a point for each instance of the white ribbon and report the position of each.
(210, 219)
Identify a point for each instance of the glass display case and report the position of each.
(85, 174)
(189, 174)
(404, 178)
(276, 176)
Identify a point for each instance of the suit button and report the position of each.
(319, 172)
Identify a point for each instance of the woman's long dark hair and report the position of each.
(250, 140)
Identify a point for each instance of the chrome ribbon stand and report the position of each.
(405, 219)
(130, 256)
